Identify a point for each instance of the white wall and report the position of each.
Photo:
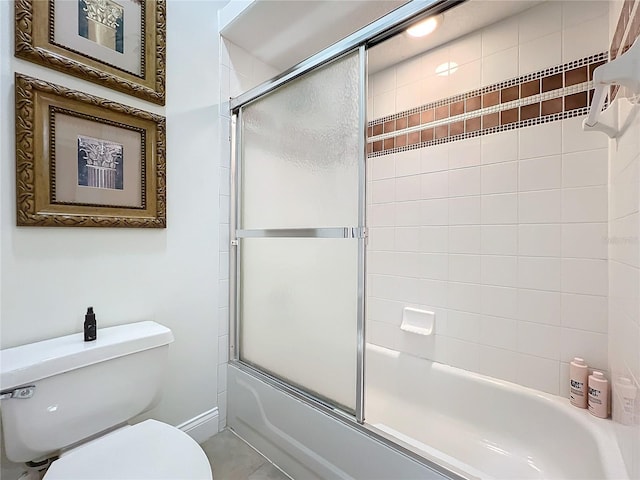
(502, 235)
(50, 275)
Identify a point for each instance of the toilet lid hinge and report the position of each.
(22, 393)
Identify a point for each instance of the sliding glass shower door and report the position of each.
(300, 232)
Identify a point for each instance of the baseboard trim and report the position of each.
(203, 426)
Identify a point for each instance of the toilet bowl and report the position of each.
(72, 399)
(148, 450)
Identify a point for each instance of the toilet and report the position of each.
(72, 399)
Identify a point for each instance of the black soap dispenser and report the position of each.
(90, 329)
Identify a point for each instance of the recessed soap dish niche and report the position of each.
(417, 321)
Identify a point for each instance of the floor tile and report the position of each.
(233, 459)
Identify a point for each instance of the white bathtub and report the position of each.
(483, 427)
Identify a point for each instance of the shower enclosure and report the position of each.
(417, 247)
(298, 222)
(298, 229)
(300, 233)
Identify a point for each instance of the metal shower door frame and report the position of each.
(360, 41)
(347, 232)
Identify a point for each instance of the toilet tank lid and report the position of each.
(29, 363)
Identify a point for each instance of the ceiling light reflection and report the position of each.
(447, 68)
(425, 27)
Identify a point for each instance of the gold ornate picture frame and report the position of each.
(119, 44)
(85, 161)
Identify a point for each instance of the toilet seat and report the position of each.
(149, 450)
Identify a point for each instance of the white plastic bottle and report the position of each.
(626, 393)
(598, 395)
(578, 375)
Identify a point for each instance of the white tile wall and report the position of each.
(409, 163)
(531, 143)
(540, 240)
(502, 36)
(587, 204)
(541, 21)
(584, 240)
(538, 372)
(435, 211)
(539, 340)
(542, 206)
(522, 283)
(500, 178)
(464, 181)
(499, 270)
(579, 11)
(509, 229)
(540, 52)
(434, 185)
(498, 332)
(464, 210)
(464, 268)
(540, 273)
(437, 158)
(499, 209)
(574, 141)
(464, 153)
(499, 66)
(542, 173)
(624, 276)
(542, 307)
(499, 239)
(498, 362)
(499, 147)
(579, 40)
(584, 169)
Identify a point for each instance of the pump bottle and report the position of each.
(90, 329)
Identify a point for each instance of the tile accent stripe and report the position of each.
(485, 131)
(547, 95)
(597, 59)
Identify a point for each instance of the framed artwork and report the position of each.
(119, 44)
(85, 161)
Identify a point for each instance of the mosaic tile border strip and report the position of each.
(592, 62)
(627, 31)
(553, 91)
(487, 131)
(528, 109)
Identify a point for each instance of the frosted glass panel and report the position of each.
(300, 152)
(298, 312)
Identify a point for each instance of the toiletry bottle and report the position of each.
(626, 393)
(90, 330)
(598, 395)
(578, 375)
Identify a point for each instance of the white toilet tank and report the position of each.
(81, 388)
